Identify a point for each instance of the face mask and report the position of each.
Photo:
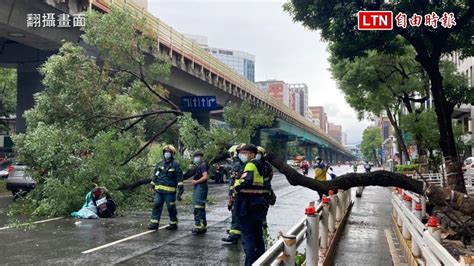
(197, 160)
(167, 155)
(258, 156)
(243, 157)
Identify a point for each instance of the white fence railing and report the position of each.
(440, 179)
(317, 229)
(408, 210)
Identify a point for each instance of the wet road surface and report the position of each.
(363, 240)
(64, 242)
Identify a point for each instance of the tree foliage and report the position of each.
(90, 118)
(371, 142)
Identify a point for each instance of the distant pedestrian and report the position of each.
(320, 171)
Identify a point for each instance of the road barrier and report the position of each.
(422, 242)
(320, 229)
(439, 179)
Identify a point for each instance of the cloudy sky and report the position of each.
(283, 49)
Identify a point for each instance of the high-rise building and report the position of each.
(242, 62)
(301, 90)
(344, 138)
(277, 89)
(335, 131)
(317, 112)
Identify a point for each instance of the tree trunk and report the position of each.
(398, 133)
(438, 195)
(447, 142)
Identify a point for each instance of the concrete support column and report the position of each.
(257, 139)
(309, 153)
(203, 118)
(279, 145)
(330, 159)
(28, 83)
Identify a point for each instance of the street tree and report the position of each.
(87, 125)
(371, 142)
(337, 21)
(7, 94)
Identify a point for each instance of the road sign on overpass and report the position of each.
(198, 102)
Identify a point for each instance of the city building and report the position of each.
(344, 138)
(317, 112)
(335, 131)
(355, 151)
(277, 89)
(242, 62)
(142, 3)
(301, 90)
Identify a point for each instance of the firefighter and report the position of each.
(267, 173)
(168, 180)
(200, 194)
(237, 170)
(250, 204)
(320, 170)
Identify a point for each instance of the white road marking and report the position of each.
(37, 222)
(121, 240)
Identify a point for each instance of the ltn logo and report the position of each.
(375, 20)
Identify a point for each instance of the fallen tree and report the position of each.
(439, 196)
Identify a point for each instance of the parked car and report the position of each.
(19, 181)
(468, 164)
(6, 167)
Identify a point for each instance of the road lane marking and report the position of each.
(37, 222)
(121, 240)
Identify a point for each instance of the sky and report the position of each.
(283, 50)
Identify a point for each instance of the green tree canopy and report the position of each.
(371, 142)
(8, 94)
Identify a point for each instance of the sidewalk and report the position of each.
(363, 241)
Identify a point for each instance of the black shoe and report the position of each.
(231, 239)
(172, 227)
(197, 231)
(153, 227)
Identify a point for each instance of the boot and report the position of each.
(232, 239)
(153, 226)
(197, 231)
(171, 227)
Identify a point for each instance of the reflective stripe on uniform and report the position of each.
(252, 191)
(173, 222)
(154, 221)
(197, 206)
(234, 232)
(171, 170)
(165, 188)
(180, 183)
(173, 203)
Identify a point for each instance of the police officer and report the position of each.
(168, 176)
(200, 194)
(250, 205)
(237, 170)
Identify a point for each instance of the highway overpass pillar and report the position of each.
(309, 153)
(203, 118)
(280, 144)
(28, 83)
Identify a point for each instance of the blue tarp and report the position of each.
(88, 210)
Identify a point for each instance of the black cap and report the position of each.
(198, 153)
(250, 147)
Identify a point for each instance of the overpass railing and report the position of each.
(408, 211)
(317, 229)
(178, 43)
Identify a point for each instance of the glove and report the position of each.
(230, 203)
(180, 192)
(151, 187)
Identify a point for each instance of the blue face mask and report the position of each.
(197, 160)
(167, 155)
(258, 156)
(243, 157)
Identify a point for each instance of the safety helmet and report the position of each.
(169, 148)
(261, 150)
(250, 147)
(240, 146)
(233, 150)
(198, 153)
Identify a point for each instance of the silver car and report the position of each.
(19, 181)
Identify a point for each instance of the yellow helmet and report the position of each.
(169, 148)
(239, 147)
(261, 150)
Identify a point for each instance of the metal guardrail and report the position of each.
(315, 228)
(177, 42)
(426, 240)
(439, 179)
